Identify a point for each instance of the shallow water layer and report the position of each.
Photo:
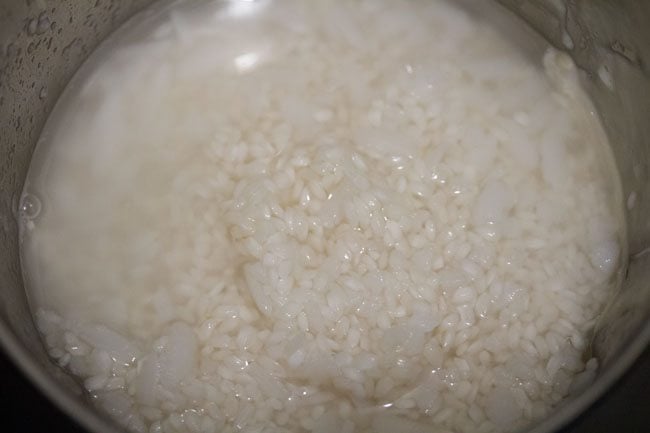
(356, 216)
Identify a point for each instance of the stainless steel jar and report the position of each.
(43, 42)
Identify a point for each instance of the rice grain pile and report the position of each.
(352, 216)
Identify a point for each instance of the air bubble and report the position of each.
(30, 206)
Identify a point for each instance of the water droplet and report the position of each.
(30, 206)
(606, 77)
(631, 200)
(567, 40)
(31, 27)
(43, 24)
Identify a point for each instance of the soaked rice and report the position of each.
(361, 216)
